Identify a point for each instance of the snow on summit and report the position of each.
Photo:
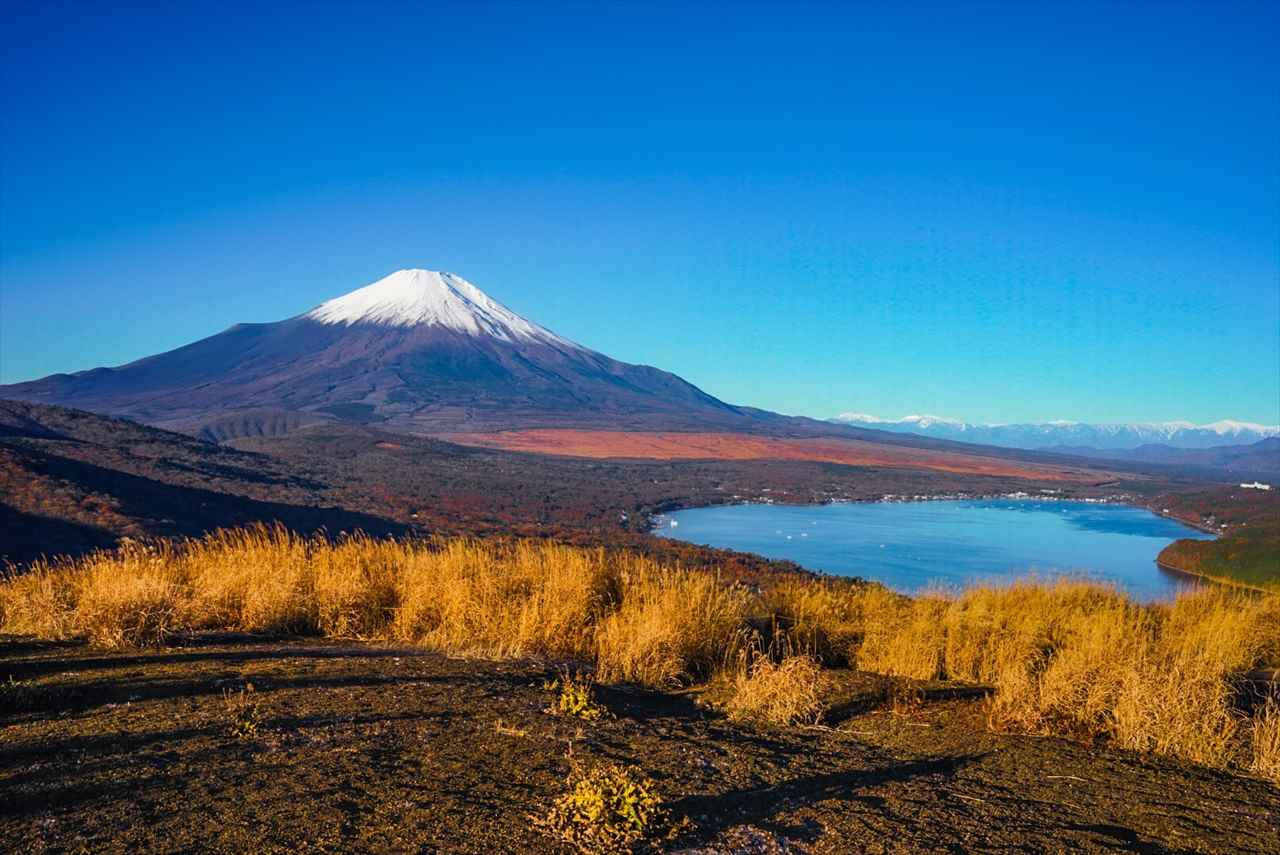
(412, 297)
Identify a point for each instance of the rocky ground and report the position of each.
(374, 749)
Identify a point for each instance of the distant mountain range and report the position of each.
(1261, 458)
(1073, 437)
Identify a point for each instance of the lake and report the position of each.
(915, 545)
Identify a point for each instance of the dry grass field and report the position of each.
(1066, 658)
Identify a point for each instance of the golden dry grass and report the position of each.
(821, 618)
(632, 618)
(784, 693)
(671, 627)
(1265, 741)
(500, 599)
(1065, 657)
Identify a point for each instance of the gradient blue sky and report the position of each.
(993, 212)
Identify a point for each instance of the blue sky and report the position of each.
(993, 212)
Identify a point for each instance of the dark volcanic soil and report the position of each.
(387, 750)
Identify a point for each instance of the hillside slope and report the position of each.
(1247, 552)
(72, 480)
(1255, 460)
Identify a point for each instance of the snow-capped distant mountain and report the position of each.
(1047, 435)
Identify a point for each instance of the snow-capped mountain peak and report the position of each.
(923, 420)
(1228, 427)
(853, 418)
(415, 297)
(927, 420)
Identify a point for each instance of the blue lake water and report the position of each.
(914, 545)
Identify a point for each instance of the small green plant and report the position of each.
(574, 695)
(607, 809)
(244, 712)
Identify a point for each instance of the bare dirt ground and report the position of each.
(374, 749)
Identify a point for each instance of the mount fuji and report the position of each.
(417, 351)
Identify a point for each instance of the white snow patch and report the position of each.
(409, 298)
(1228, 427)
(922, 420)
(927, 420)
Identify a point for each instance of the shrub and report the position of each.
(40, 602)
(355, 586)
(1061, 666)
(574, 696)
(258, 579)
(1080, 659)
(902, 637)
(504, 599)
(1181, 708)
(607, 809)
(244, 713)
(1071, 657)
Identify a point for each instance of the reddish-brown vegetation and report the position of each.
(733, 446)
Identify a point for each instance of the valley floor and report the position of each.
(381, 749)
